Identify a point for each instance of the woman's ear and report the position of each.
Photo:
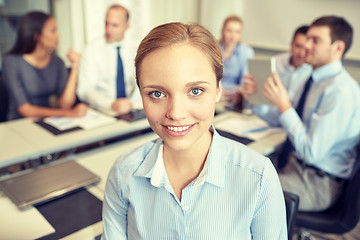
(36, 37)
(218, 92)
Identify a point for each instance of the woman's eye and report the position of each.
(195, 91)
(156, 94)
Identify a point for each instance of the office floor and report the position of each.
(352, 235)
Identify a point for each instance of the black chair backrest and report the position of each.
(292, 204)
(344, 215)
(351, 201)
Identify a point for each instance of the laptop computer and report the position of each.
(47, 183)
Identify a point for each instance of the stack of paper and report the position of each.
(92, 119)
(254, 128)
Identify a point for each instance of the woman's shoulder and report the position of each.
(96, 45)
(12, 59)
(56, 63)
(242, 156)
(245, 46)
(56, 59)
(245, 49)
(132, 159)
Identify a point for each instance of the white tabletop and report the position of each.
(47, 143)
(14, 148)
(101, 160)
(31, 224)
(265, 145)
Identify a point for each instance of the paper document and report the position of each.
(92, 119)
(108, 111)
(254, 128)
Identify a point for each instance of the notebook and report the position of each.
(47, 183)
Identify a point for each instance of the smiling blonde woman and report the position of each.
(191, 183)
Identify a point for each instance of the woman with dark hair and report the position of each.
(34, 74)
(190, 183)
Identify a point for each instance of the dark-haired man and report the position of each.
(324, 126)
(293, 72)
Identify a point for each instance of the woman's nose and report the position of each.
(176, 109)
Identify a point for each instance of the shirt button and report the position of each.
(186, 208)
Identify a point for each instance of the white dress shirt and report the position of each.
(292, 78)
(98, 69)
(327, 134)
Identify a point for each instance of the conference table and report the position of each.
(23, 139)
(37, 221)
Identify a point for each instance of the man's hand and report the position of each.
(275, 91)
(122, 105)
(248, 87)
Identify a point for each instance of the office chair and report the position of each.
(292, 204)
(4, 100)
(340, 218)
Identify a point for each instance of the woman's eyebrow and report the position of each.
(153, 86)
(196, 83)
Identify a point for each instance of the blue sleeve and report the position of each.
(330, 122)
(269, 113)
(269, 221)
(115, 209)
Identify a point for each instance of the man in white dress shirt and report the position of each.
(293, 72)
(97, 83)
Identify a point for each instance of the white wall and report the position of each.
(271, 23)
(163, 11)
(268, 25)
(62, 14)
(82, 21)
(214, 12)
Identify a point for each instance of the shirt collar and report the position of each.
(292, 68)
(213, 171)
(216, 162)
(115, 44)
(327, 71)
(289, 66)
(237, 49)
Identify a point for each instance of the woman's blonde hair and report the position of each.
(174, 33)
